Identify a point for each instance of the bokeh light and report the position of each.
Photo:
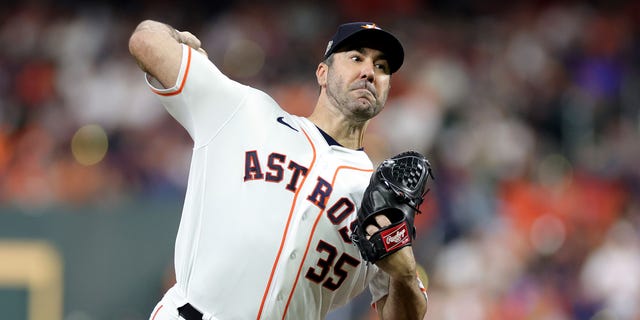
(547, 234)
(244, 58)
(89, 144)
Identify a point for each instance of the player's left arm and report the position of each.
(406, 299)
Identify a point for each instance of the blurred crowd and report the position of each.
(528, 112)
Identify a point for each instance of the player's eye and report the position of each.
(384, 66)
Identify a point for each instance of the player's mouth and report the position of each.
(364, 89)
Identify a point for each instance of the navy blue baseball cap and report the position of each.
(367, 35)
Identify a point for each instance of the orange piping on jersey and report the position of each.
(313, 230)
(286, 228)
(156, 313)
(184, 79)
(421, 285)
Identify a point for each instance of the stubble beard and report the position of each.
(349, 103)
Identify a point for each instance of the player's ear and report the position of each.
(321, 74)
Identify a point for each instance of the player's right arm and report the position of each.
(191, 88)
(157, 48)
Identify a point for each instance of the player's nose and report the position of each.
(367, 71)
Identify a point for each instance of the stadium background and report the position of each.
(529, 112)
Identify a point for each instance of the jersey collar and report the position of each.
(331, 141)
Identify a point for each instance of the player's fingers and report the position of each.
(371, 229)
(189, 39)
(382, 220)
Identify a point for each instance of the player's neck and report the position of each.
(345, 132)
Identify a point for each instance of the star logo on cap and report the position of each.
(370, 26)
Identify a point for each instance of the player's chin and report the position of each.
(365, 109)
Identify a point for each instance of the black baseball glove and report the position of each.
(396, 190)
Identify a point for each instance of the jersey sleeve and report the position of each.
(203, 98)
(379, 286)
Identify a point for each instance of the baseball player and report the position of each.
(272, 197)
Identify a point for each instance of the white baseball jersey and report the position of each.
(269, 206)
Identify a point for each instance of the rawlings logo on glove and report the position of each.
(396, 190)
(395, 237)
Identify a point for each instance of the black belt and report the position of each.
(188, 312)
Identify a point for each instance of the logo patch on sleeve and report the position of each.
(395, 237)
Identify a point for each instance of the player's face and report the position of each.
(358, 82)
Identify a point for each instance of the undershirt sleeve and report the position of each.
(379, 286)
